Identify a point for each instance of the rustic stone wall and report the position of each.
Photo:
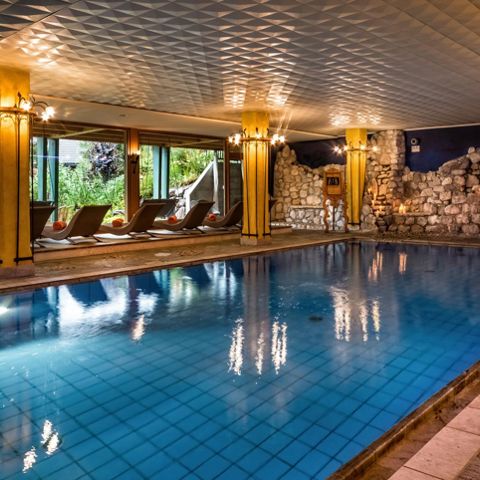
(383, 186)
(299, 193)
(443, 201)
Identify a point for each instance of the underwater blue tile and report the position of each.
(47, 466)
(126, 442)
(368, 435)
(380, 400)
(350, 428)
(221, 439)
(349, 451)
(112, 469)
(313, 435)
(330, 468)
(276, 442)
(172, 472)
(71, 471)
(348, 405)
(294, 452)
(253, 460)
(205, 431)
(295, 474)
(166, 437)
(130, 474)
(92, 461)
(87, 447)
(154, 464)
(179, 448)
(259, 433)
(233, 473)
(274, 468)
(332, 444)
(331, 420)
(296, 427)
(236, 450)
(212, 468)
(139, 453)
(385, 420)
(312, 462)
(398, 406)
(196, 457)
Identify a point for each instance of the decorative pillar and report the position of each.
(132, 177)
(356, 139)
(15, 250)
(256, 150)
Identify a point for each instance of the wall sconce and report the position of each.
(133, 159)
(24, 111)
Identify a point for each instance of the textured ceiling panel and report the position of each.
(316, 65)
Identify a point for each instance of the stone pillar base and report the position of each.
(16, 272)
(244, 240)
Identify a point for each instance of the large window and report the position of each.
(90, 173)
(76, 165)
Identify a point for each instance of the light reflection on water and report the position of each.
(258, 312)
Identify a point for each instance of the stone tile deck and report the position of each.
(136, 257)
(449, 452)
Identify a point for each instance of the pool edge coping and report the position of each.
(268, 249)
(367, 457)
(117, 272)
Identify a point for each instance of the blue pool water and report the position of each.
(281, 366)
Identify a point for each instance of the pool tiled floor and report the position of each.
(173, 404)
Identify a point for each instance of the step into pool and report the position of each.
(280, 366)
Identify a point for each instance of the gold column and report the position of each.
(356, 165)
(132, 177)
(15, 251)
(256, 215)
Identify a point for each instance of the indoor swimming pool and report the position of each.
(280, 366)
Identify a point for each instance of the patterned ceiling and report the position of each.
(317, 65)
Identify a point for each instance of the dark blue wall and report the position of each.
(439, 145)
(318, 152)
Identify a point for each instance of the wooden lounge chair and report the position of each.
(192, 220)
(168, 207)
(85, 223)
(40, 215)
(141, 221)
(231, 219)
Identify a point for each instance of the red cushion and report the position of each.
(59, 225)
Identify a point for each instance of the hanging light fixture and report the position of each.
(241, 137)
(348, 148)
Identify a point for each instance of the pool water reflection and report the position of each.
(278, 366)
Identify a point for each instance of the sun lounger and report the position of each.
(85, 223)
(231, 219)
(141, 221)
(192, 220)
(167, 209)
(40, 215)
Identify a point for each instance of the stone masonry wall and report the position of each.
(396, 199)
(444, 201)
(299, 193)
(383, 185)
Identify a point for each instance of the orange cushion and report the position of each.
(212, 217)
(59, 225)
(172, 219)
(117, 222)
